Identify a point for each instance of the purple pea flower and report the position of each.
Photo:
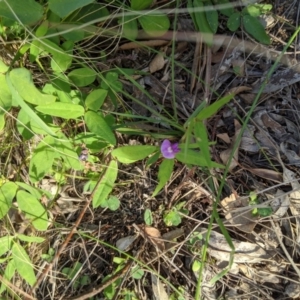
(168, 149)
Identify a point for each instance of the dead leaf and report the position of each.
(224, 137)
(124, 243)
(157, 63)
(244, 220)
(267, 174)
(158, 289)
(135, 45)
(154, 235)
(245, 252)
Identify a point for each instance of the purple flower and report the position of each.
(168, 149)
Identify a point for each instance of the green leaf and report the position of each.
(22, 81)
(234, 21)
(202, 138)
(195, 158)
(33, 209)
(5, 95)
(42, 29)
(62, 110)
(26, 108)
(32, 190)
(172, 218)
(113, 203)
(255, 10)
(140, 4)
(25, 11)
(97, 125)
(3, 67)
(7, 193)
(42, 159)
(155, 25)
(264, 211)
(5, 244)
(91, 141)
(212, 17)
(130, 27)
(106, 185)
(8, 274)
(210, 110)
(30, 239)
(255, 29)
(64, 7)
(227, 7)
(130, 154)
(148, 218)
(164, 174)
(23, 264)
(95, 99)
(137, 272)
(82, 76)
(196, 265)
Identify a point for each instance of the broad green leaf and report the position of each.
(61, 60)
(92, 12)
(5, 95)
(8, 274)
(255, 10)
(26, 108)
(255, 29)
(33, 209)
(24, 11)
(23, 264)
(82, 76)
(32, 190)
(73, 35)
(164, 174)
(30, 239)
(66, 151)
(130, 27)
(42, 159)
(196, 265)
(106, 185)
(22, 81)
(91, 141)
(113, 203)
(7, 193)
(95, 99)
(264, 211)
(140, 4)
(5, 244)
(212, 16)
(3, 67)
(64, 7)
(202, 139)
(62, 110)
(155, 25)
(226, 7)
(97, 125)
(137, 272)
(195, 158)
(27, 127)
(234, 21)
(210, 110)
(172, 218)
(130, 154)
(148, 218)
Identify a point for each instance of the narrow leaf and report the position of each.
(62, 110)
(212, 17)
(106, 185)
(209, 111)
(164, 174)
(8, 274)
(5, 244)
